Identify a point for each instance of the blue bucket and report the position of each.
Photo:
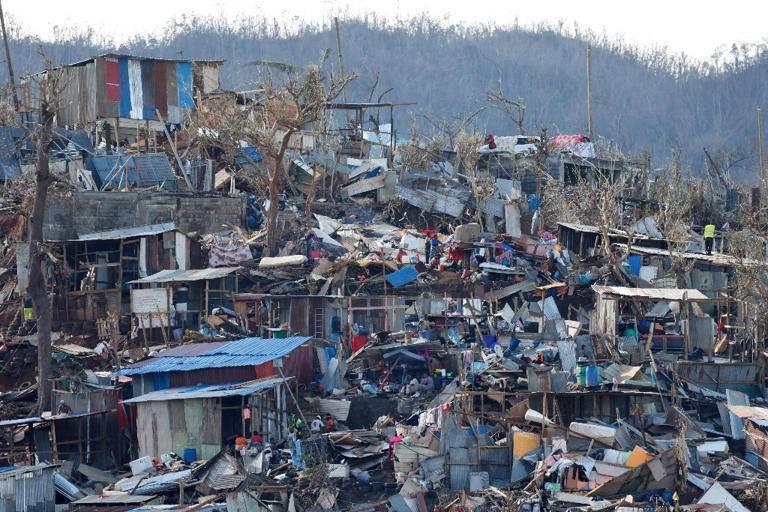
(189, 455)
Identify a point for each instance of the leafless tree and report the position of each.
(49, 94)
(515, 109)
(281, 108)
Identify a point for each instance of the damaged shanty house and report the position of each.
(196, 395)
(146, 233)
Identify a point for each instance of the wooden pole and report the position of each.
(761, 145)
(589, 91)
(8, 61)
(341, 57)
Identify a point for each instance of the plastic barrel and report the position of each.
(189, 455)
(593, 376)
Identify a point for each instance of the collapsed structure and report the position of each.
(423, 336)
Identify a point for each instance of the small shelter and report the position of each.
(206, 416)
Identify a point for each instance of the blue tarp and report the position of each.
(252, 154)
(403, 276)
(184, 83)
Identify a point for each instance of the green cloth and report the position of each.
(709, 231)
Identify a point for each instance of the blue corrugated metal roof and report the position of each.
(403, 276)
(141, 170)
(243, 352)
(208, 391)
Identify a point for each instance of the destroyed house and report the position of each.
(132, 171)
(322, 316)
(70, 216)
(127, 92)
(204, 417)
(95, 267)
(182, 299)
(18, 151)
(223, 362)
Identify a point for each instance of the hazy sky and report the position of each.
(696, 28)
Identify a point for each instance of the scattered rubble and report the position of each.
(423, 337)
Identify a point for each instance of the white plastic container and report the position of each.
(141, 466)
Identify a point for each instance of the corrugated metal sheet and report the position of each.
(119, 234)
(403, 276)
(184, 85)
(208, 391)
(148, 88)
(125, 90)
(191, 349)
(29, 488)
(183, 276)
(650, 293)
(244, 352)
(496, 460)
(136, 90)
(137, 170)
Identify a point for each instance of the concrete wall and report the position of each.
(88, 212)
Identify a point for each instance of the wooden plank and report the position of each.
(363, 186)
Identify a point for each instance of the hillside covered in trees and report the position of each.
(644, 100)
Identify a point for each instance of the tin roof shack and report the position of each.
(106, 448)
(127, 92)
(586, 240)
(28, 488)
(182, 299)
(97, 265)
(206, 416)
(664, 319)
(52, 438)
(321, 316)
(223, 362)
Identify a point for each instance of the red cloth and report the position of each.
(358, 342)
(122, 417)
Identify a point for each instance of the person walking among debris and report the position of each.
(709, 237)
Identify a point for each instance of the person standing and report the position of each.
(709, 237)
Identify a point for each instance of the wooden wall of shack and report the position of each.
(172, 425)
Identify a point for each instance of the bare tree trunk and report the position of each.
(274, 194)
(38, 293)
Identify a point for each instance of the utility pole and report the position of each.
(761, 145)
(589, 91)
(8, 60)
(341, 60)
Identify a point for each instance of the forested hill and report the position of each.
(644, 100)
